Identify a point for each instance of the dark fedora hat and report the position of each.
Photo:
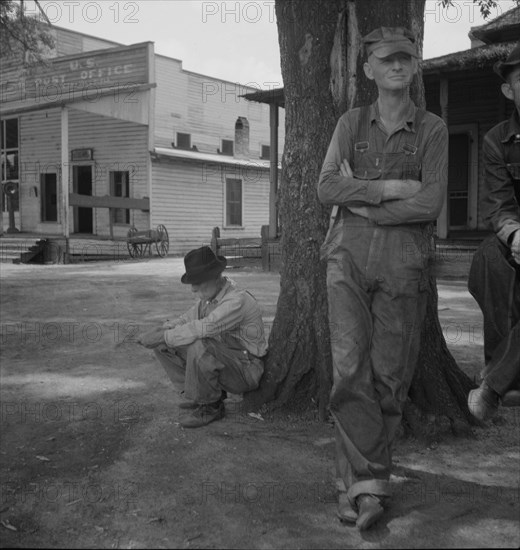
(502, 68)
(202, 265)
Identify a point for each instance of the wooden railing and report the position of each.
(241, 249)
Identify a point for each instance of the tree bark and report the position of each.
(322, 67)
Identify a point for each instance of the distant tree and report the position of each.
(21, 35)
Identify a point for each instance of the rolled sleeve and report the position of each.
(225, 317)
(333, 188)
(500, 209)
(426, 205)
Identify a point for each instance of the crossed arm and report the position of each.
(391, 201)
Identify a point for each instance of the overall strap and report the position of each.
(361, 143)
(412, 139)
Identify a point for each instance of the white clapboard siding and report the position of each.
(118, 145)
(40, 153)
(207, 108)
(169, 107)
(189, 201)
(69, 42)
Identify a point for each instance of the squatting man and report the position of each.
(216, 347)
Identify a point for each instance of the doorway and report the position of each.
(82, 185)
(462, 178)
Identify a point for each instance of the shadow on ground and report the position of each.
(92, 454)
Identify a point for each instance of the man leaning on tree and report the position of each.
(494, 278)
(386, 172)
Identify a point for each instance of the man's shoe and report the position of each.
(370, 510)
(203, 415)
(187, 403)
(511, 399)
(345, 511)
(483, 402)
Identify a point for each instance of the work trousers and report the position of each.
(209, 365)
(377, 282)
(495, 284)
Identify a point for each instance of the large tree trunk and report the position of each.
(322, 58)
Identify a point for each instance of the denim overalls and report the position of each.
(377, 277)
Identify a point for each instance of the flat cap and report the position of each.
(386, 41)
(502, 68)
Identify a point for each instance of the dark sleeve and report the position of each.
(500, 209)
(333, 188)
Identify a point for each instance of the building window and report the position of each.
(266, 152)
(233, 202)
(49, 197)
(119, 187)
(10, 157)
(227, 147)
(183, 141)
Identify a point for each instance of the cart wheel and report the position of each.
(134, 249)
(163, 243)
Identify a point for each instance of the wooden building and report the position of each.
(463, 89)
(103, 137)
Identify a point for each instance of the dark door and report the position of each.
(49, 197)
(458, 180)
(83, 186)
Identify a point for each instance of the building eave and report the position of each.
(483, 57)
(275, 96)
(196, 156)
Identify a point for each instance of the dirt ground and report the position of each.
(92, 454)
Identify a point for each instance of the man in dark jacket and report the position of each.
(494, 279)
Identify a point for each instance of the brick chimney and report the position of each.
(242, 137)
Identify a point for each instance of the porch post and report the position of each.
(273, 170)
(442, 220)
(65, 176)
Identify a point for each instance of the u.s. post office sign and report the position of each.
(68, 77)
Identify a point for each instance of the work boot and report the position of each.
(511, 399)
(370, 510)
(203, 415)
(483, 402)
(188, 403)
(345, 511)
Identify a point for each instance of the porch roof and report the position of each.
(483, 57)
(275, 96)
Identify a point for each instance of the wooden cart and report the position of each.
(140, 242)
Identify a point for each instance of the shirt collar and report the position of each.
(408, 120)
(513, 128)
(223, 291)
